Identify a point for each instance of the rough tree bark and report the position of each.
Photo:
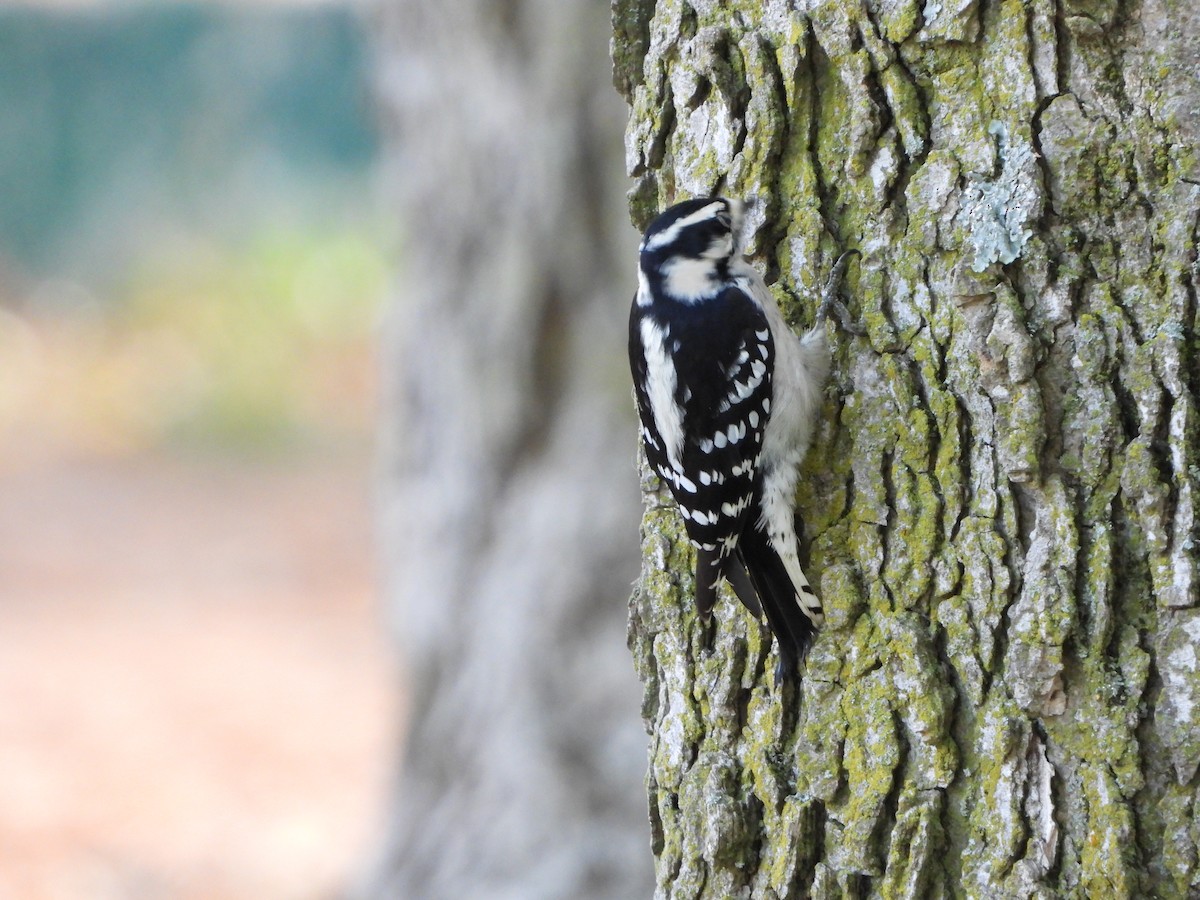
(1001, 505)
(508, 499)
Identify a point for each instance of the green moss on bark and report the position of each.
(999, 502)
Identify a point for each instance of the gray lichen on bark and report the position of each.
(1000, 504)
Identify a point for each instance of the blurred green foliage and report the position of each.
(261, 349)
(268, 346)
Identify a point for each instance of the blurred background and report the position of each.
(281, 283)
(196, 695)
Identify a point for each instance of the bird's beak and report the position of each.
(741, 210)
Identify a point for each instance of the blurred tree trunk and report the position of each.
(1001, 507)
(509, 503)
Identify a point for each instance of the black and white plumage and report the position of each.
(727, 396)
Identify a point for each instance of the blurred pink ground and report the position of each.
(196, 696)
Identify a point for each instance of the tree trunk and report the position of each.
(1000, 504)
(508, 499)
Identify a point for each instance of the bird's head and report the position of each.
(686, 251)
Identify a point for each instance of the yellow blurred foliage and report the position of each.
(266, 348)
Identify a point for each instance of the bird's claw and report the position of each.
(830, 302)
(844, 319)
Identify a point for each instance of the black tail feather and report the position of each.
(710, 568)
(792, 629)
(735, 574)
(708, 573)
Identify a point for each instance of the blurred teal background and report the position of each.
(196, 699)
(199, 177)
(213, 117)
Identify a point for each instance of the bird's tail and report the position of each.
(711, 567)
(780, 598)
(708, 572)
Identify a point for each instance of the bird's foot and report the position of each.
(830, 302)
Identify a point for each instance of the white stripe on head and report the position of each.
(689, 280)
(669, 234)
(721, 248)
